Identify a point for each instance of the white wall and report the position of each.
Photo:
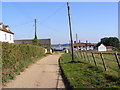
(90, 48)
(8, 35)
(102, 48)
(84, 48)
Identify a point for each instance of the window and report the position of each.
(5, 37)
(74, 46)
(10, 37)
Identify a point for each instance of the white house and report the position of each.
(102, 48)
(5, 34)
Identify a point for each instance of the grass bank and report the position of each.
(109, 60)
(17, 57)
(81, 74)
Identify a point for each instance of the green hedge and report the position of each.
(16, 57)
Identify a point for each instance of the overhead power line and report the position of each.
(48, 27)
(41, 22)
(54, 13)
(50, 16)
(15, 26)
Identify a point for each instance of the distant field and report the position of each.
(82, 74)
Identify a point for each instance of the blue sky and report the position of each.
(90, 20)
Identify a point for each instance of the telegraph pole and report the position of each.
(86, 44)
(76, 38)
(35, 29)
(68, 5)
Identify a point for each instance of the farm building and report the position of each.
(43, 42)
(102, 47)
(109, 48)
(5, 34)
(83, 46)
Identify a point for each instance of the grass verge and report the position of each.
(81, 74)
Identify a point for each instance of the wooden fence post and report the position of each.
(84, 55)
(81, 53)
(117, 59)
(103, 61)
(94, 59)
(87, 57)
(78, 54)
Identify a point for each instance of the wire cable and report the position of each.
(15, 26)
(55, 12)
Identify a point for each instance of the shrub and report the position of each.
(48, 50)
(16, 57)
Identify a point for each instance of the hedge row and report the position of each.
(16, 57)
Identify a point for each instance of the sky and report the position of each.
(90, 20)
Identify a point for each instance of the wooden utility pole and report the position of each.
(70, 26)
(86, 44)
(76, 38)
(35, 30)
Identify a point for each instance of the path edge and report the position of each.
(65, 79)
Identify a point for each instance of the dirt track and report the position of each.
(42, 74)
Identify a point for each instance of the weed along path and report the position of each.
(42, 74)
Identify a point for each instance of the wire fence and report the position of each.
(108, 61)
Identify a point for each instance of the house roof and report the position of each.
(4, 28)
(82, 44)
(109, 47)
(1, 23)
(98, 44)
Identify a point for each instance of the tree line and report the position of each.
(111, 41)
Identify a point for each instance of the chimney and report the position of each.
(74, 42)
(6, 27)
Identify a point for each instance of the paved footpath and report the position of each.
(42, 74)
